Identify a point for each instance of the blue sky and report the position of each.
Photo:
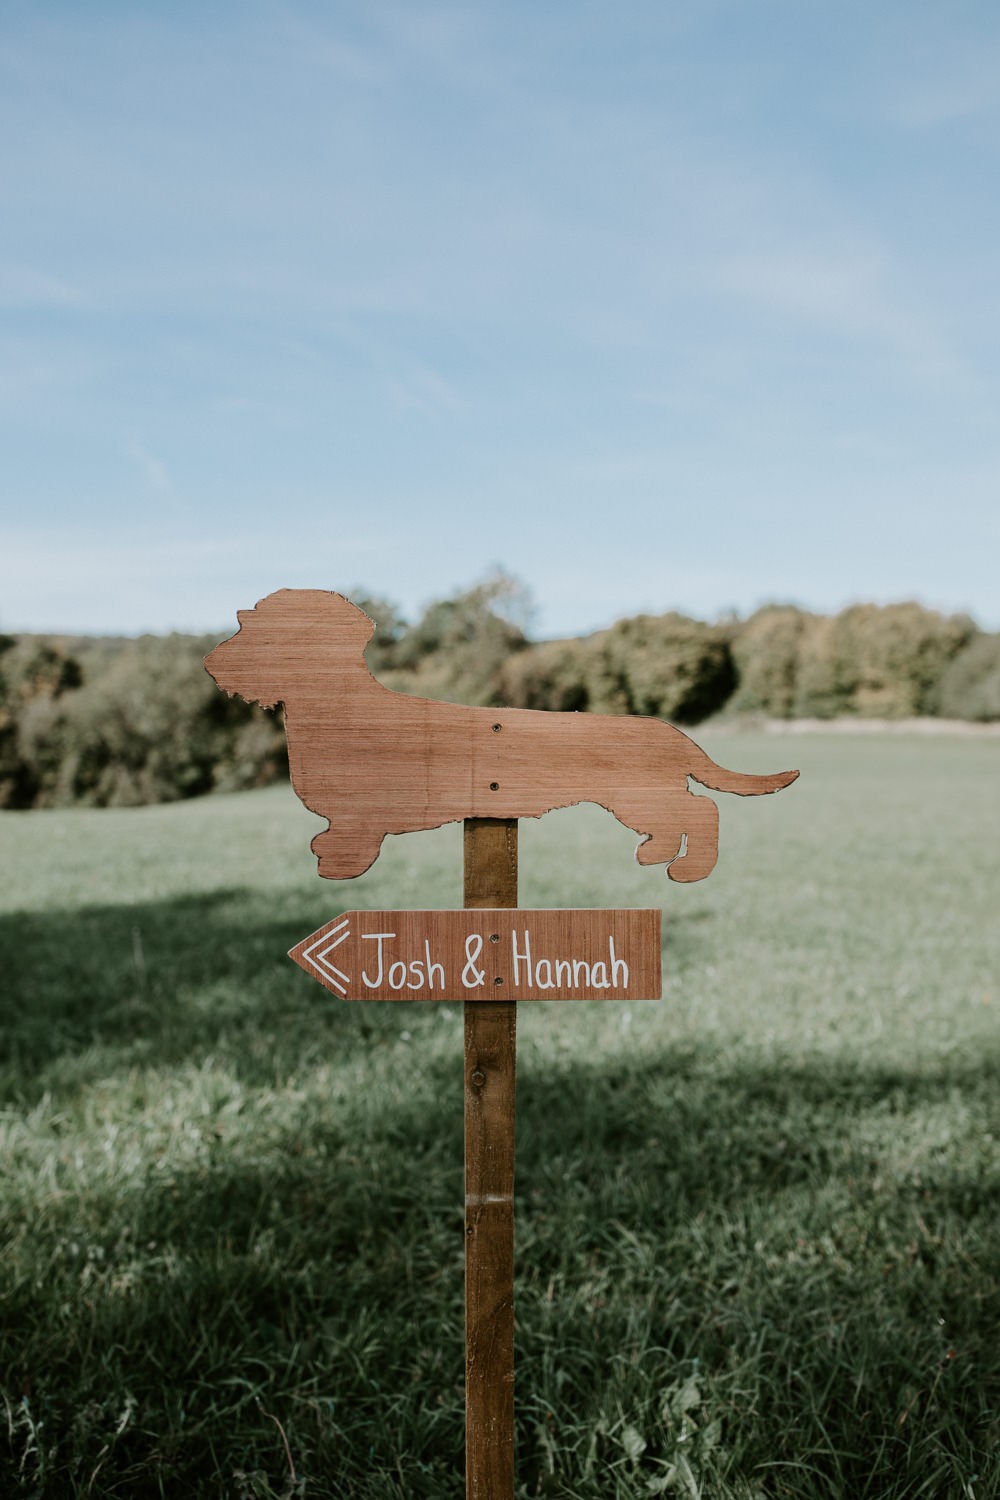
(656, 305)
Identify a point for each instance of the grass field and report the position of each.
(758, 1222)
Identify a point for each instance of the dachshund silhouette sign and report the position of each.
(373, 761)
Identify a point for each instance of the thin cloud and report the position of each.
(952, 81)
(153, 469)
(858, 296)
(29, 287)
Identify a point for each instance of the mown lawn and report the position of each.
(758, 1222)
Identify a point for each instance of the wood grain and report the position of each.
(374, 762)
(490, 1064)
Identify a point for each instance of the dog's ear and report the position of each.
(348, 620)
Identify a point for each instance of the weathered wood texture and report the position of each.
(374, 762)
(490, 1062)
(492, 954)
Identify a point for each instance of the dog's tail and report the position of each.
(718, 779)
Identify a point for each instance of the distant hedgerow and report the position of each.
(136, 722)
(116, 722)
(667, 665)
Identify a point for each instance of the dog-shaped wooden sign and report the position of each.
(372, 761)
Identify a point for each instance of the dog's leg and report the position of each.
(700, 821)
(684, 836)
(344, 851)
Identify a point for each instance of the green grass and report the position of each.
(758, 1227)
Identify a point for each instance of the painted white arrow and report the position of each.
(316, 954)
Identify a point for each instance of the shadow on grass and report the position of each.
(179, 979)
(761, 1279)
(163, 982)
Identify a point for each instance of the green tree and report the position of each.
(35, 676)
(877, 661)
(672, 666)
(767, 652)
(970, 684)
(552, 675)
(664, 665)
(143, 723)
(390, 628)
(458, 648)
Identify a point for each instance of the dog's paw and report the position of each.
(343, 853)
(654, 849)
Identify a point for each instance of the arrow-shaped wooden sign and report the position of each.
(493, 954)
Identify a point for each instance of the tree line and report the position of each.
(118, 722)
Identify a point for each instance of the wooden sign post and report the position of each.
(493, 955)
(373, 762)
(490, 880)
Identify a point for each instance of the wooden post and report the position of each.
(490, 1063)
